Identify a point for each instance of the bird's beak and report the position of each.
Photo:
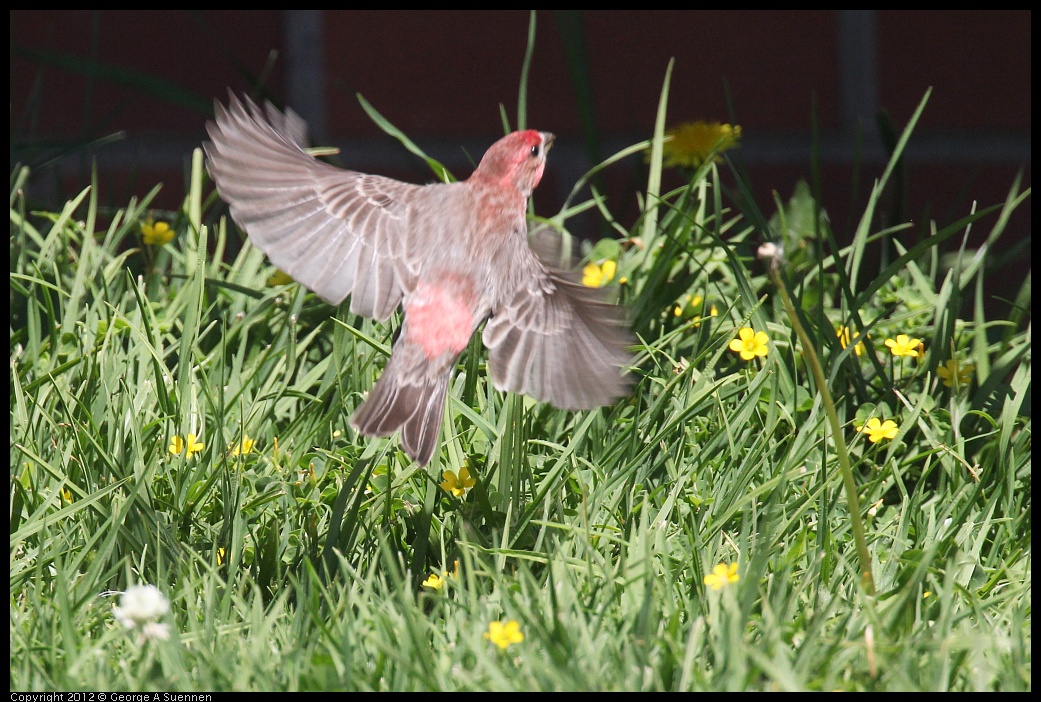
(547, 140)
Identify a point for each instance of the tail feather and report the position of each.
(419, 434)
(416, 409)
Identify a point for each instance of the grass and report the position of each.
(299, 564)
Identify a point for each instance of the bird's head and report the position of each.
(516, 161)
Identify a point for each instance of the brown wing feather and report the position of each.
(556, 339)
(337, 232)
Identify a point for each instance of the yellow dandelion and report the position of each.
(694, 143)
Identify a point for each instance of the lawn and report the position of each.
(821, 479)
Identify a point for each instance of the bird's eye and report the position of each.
(535, 150)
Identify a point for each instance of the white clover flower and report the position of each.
(140, 605)
(155, 631)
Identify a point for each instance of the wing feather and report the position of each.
(555, 339)
(338, 232)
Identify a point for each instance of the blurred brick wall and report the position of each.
(150, 77)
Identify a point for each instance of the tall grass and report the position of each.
(298, 564)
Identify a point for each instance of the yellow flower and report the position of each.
(694, 307)
(435, 581)
(279, 277)
(877, 430)
(457, 485)
(243, 447)
(904, 345)
(844, 338)
(693, 143)
(750, 344)
(220, 555)
(188, 446)
(598, 275)
(156, 233)
(721, 575)
(952, 372)
(504, 634)
(687, 303)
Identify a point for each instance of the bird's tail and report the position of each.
(413, 404)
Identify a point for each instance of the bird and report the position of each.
(453, 256)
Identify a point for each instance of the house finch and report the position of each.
(452, 254)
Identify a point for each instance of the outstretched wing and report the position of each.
(555, 339)
(336, 231)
